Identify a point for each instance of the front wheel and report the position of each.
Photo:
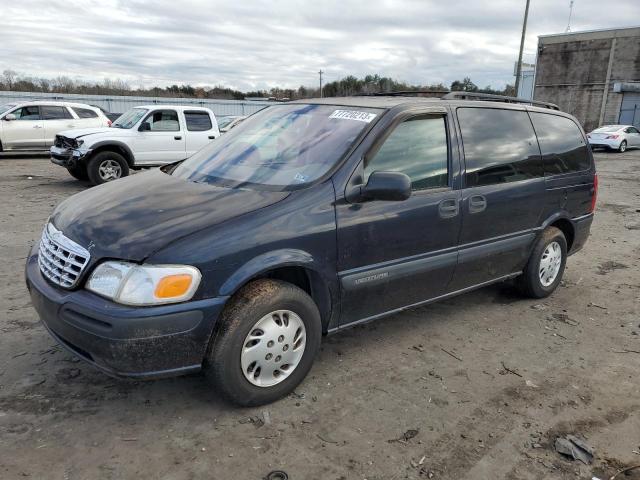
(623, 146)
(107, 166)
(266, 343)
(545, 267)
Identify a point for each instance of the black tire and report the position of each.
(99, 160)
(530, 283)
(623, 146)
(79, 172)
(254, 301)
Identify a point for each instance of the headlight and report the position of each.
(79, 143)
(133, 284)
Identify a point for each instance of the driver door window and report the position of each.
(418, 148)
(27, 113)
(162, 121)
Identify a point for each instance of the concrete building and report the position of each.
(593, 75)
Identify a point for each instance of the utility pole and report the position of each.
(320, 72)
(524, 30)
(570, 13)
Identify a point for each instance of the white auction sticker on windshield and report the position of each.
(353, 115)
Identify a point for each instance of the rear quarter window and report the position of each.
(500, 146)
(562, 144)
(85, 112)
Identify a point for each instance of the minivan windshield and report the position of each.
(5, 108)
(130, 118)
(281, 147)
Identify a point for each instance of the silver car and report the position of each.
(615, 137)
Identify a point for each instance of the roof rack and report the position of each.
(488, 97)
(403, 93)
(460, 95)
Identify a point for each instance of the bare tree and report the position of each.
(9, 78)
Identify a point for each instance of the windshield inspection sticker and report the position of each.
(353, 115)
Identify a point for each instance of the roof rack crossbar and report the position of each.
(497, 98)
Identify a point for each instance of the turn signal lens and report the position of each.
(173, 286)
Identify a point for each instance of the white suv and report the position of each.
(34, 125)
(149, 135)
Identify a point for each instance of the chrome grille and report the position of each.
(61, 260)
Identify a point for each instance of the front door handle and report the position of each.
(448, 208)
(37, 126)
(212, 137)
(477, 203)
(177, 137)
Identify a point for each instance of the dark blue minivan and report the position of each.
(307, 218)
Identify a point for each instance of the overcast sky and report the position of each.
(250, 44)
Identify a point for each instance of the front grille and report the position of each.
(61, 260)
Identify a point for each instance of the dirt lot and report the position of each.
(486, 381)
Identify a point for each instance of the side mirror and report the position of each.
(9, 116)
(145, 127)
(390, 186)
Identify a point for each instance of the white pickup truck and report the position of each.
(149, 135)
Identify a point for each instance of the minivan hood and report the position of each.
(133, 217)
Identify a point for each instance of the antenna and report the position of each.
(570, 13)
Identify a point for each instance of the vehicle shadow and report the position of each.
(193, 392)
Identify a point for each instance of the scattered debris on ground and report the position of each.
(572, 446)
(406, 436)
(564, 318)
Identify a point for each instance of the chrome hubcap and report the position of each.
(623, 147)
(273, 348)
(550, 264)
(110, 170)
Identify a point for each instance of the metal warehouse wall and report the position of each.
(120, 104)
(577, 71)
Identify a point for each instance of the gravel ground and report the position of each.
(476, 387)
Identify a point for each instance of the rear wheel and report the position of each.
(623, 146)
(545, 267)
(107, 166)
(268, 338)
(79, 172)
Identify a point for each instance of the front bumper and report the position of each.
(67, 157)
(123, 341)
